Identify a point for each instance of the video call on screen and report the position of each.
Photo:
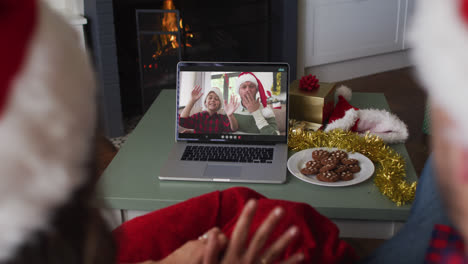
(215, 83)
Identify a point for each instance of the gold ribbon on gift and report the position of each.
(390, 170)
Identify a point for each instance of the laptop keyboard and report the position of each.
(228, 154)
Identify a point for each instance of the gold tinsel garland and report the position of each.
(390, 166)
(276, 89)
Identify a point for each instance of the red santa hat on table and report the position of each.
(439, 39)
(377, 122)
(47, 119)
(250, 77)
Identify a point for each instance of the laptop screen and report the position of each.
(232, 102)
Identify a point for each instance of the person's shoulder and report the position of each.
(196, 116)
(267, 112)
(242, 112)
(243, 116)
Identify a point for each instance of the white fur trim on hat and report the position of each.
(439, 40)
(382, 124)
(245, 78)
(46, 131)
(378, 122)
(346, 122)
(217, 91)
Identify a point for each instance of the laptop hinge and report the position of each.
(233, 143)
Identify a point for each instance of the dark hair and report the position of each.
(77, 234)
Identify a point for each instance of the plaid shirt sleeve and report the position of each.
(225, 125)
(188, 122)
(446, 246)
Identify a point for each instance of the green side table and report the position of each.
(130, 184)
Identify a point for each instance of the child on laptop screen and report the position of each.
(209, 120)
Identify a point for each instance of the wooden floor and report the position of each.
(406, 100)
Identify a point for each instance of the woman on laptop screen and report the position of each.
(209, 120)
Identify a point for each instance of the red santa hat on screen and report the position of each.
(250, 77)
(47, 118)
(438, 36)
(377, 122)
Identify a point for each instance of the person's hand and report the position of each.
(196, 94)
(192, 251)
(231, 107)
(237, 252)
(249, 102)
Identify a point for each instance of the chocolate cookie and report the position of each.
(339, 154)
(327, 167)
(320, 154)
(328, 176)
(354, 168)
(328, 161)
(313, 164)
(347, 161)
(346, 176)
(309, 171)
(340, 168)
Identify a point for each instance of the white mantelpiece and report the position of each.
(73, 12)
(72, 7)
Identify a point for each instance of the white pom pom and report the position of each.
(344, 91)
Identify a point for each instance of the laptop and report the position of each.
(219, 142)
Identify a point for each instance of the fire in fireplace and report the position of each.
(161, 36)
(170, 22)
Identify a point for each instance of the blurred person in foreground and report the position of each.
(49, 210)
(437, 229)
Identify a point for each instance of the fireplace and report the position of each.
(137, 43)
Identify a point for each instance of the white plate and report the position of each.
(297, 161)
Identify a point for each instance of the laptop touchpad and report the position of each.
(222, 171)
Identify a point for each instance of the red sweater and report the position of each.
(155, 235)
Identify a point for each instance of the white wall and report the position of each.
(379, 53)
(187, 80)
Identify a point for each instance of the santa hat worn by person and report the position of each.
(250, 77)
(47, 93)
(438, 36)
(217, 91)
(378, 122)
